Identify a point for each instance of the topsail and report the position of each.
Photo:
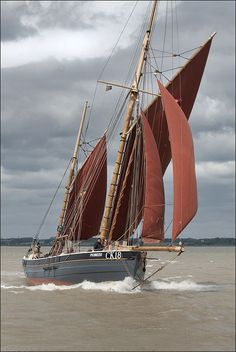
(183, 87)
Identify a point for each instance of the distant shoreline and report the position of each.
(203, 242)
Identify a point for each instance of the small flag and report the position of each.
(108, 87)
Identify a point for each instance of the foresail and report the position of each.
(154, 207)
(87, 196)
(183, 87)
(182, 151)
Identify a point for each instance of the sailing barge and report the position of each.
(135, 203)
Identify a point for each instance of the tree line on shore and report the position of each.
(216, 241)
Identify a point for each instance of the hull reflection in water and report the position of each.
(95, 266)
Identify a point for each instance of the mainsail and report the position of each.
(182, 151)
(87, 196)
(183, 87)
(140, 191)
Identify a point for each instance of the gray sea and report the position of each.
(189, 306)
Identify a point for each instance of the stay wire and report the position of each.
(114, 47)
(52, 200)
(131, 64)
(159, 269)
(116, 116)
(107, 61)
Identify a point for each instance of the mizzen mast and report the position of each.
(72, 170)
(132, 99)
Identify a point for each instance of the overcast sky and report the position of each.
(52, 55)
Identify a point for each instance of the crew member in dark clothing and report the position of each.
(98, 245)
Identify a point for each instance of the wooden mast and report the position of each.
(132, 99)
(72, 170)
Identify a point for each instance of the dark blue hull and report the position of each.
(91, 266)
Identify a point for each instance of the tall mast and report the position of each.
(131, 104)
(72, 168)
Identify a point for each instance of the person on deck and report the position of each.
(105, 244)
(98, 245)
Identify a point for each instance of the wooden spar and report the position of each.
(158, 248)
(132, 99)
(127, 87)
(72, 169)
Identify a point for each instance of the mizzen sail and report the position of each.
(182, 151)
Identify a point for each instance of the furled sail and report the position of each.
(182, 151)
(154, 208)
(183, 87)
(87, 196)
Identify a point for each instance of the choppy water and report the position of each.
(189, 306)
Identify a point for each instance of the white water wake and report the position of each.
(185, 285)
(125, 287)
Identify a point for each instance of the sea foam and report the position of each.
(184, 285)
(124, 287)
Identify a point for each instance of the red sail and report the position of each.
(87, 196)
(154, 208)
(121, 219)
(184, 88)
(185, 186)
(184, 85)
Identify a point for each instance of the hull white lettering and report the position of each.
(96, 255)
(113, 255)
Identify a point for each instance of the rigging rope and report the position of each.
(114, 47)
(49, 207)
(116, 117)
(107, 61)
(159, 269)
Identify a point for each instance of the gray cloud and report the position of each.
(67, 15)
(42, 103)
(12, 27)
(22, 19)
(48, 94)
